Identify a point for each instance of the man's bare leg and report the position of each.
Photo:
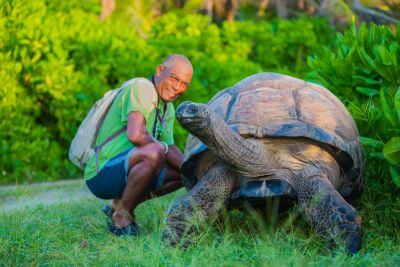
(172, 182)
(114, 204)
(144, 164)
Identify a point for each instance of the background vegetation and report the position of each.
(58, 57)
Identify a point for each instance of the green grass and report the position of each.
(74, 233)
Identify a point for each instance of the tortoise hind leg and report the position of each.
(206, 198)
(327, 211)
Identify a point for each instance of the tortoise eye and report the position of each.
(194, 108)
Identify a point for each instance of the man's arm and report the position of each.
(136, 130)
(139, 136)
(174, 157)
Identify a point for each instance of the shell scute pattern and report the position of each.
(275, 105)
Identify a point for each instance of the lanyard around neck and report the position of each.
(161, 118)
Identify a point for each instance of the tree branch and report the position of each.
(368, 14)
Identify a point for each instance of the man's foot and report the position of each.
(131, 229)
(123, 223)
(122, 218)
(109, 209)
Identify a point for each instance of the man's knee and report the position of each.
(156, 152)
(153, 154)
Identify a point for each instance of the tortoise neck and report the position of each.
(246, 157)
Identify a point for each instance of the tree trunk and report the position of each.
(179, 3)
(208, 5)
(281, 8)
(107, 7)
(372, 15)
(301, 4)
(262, 7)
(231, 8)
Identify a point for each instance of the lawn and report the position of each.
(62, 224)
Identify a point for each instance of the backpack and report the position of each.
(83, 145)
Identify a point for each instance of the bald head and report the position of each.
(178, 60)
(173, 76)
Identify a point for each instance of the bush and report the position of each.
(363, 70)
(282, 45)
(55, 65)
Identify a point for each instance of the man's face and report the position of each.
(172, 81)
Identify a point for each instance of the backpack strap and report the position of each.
(99, 147)
(102, 118)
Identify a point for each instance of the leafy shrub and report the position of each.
(282, 45)
(56, 65)
(363, 70)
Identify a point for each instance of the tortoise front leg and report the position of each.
(327, 211)
(206, 199)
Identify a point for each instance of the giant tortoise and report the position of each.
(272, 135)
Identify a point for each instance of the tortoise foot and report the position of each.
(329, 214)
(176, 225)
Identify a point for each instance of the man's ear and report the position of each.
(159, 69)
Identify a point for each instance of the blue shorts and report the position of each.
(113, 177)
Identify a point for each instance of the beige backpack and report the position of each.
(83, 145)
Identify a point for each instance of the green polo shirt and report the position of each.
(137, 95)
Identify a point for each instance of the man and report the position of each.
(142, 161)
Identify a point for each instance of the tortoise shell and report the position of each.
(275, 105)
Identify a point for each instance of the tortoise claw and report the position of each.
(353, 239)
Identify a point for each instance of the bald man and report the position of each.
(138, 159)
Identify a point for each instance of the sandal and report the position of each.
(132, 229)
(108, 211)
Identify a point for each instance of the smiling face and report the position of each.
(172, 78)
(193, 117)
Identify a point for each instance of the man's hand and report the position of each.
(174, 158)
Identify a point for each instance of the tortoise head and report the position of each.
(193, 116)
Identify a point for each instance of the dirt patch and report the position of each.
(28, 196)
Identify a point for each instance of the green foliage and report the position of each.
(363, 70)
(57, 58)
(285, 44)
(54, 65)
